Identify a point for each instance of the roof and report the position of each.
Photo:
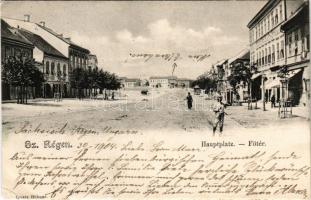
(300, 16)
(163, 77)
(12, 33)
(41, 44)
(68, 41)
(268, 6)
(132, 80)
(221, 62)
(243, 55)
(184, 79)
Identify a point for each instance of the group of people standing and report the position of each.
(218, 109)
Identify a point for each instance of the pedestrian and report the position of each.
(219, 110)
(112, 96)
(272, 101)
(189, 101)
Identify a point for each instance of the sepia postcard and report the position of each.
(187, 100)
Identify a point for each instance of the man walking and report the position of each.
(219, 110)
(189, 101)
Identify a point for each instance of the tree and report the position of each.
(78, 80)
(147, 83)
(22, 73)
(205, 82)
(240, 73)
(93, 79)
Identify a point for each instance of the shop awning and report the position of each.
(293, 73)
(254, 76)
(272, 83)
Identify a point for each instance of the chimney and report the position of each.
(27, 18)
(68, 38)
(42, 23)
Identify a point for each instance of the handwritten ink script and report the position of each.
(169, 57)
(144, 166)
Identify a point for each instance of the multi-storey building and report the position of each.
(297, 45)
(267, 44)
(76, 55)
(52, 63)
(13, 44)
(163, 81)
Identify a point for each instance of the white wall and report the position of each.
(38, 55)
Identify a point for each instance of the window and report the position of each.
(268, 22)
(266, 56)
(276, 17)
(8, 52)
(47, 66)
(18, 53)
(278, 51)
(282, 49)
(262, 58)
(273, 53)
(296, 35)
(265, 26)
(58, 70)
(272, 20)
(269, 55)
(281, 13)
(26, 54)
(52, 68)
(64, 70)
(289, 38)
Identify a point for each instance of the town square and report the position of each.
(168, 100)
(264, 82)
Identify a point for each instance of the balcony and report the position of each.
(301, 57)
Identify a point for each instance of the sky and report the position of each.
(114, 31)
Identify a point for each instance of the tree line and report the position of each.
(240, 73)
(22, 74)
(92, 80)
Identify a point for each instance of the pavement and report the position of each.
(161, 110)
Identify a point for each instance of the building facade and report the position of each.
(52, 63)
(183, 83)
(13, 44)
(163, 81)
(132, 82)
(267, 45)
(76, 55)
(297, 46)
(242, 89)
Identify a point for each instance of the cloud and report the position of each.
(161, 37)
